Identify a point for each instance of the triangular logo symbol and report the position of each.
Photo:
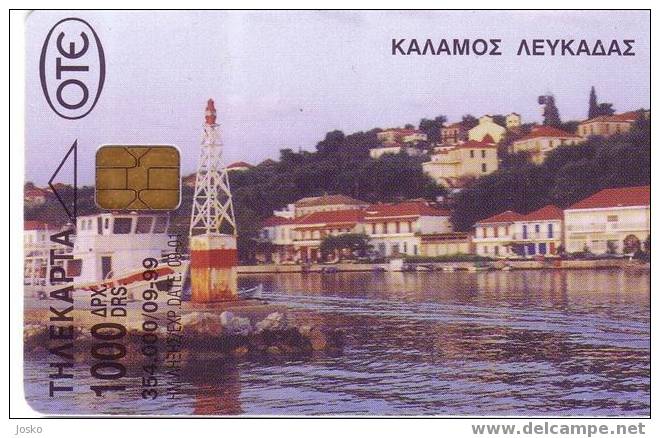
(72, 212)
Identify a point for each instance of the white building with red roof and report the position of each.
(606, 126)
(401, 135)
(395, 229)
(449, 165)
(543, 139)
(311, 229)
(315, 204)
(36, 250)
(616, 220)
(538, 232)
(494, 235)
(34, 196)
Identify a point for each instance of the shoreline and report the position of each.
(501, 265)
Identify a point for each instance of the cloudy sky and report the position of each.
(284, 79)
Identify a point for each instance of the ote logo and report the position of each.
(72, 68)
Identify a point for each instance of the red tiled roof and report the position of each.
(331, 217)
(507, 216)
(37, 225)
(619, 197)
(549, 212)
(547, 131)
(486, 142)
(35, 192)
(328, 200)
(276, 220)
(402, 131)
(403, 209)
(239, 164)
(630, 116)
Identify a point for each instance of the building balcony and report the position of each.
(609, 226)
(535, 236)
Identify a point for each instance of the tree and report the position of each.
(550, 111)
(353, 243)
(469, 121)
(432, 128)
(593, 103)
(598, 109)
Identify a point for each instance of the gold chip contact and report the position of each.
(138, 177)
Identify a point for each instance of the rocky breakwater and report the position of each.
(214, 335)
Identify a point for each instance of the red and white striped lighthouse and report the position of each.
(213, 256)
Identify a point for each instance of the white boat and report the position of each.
(116, 249)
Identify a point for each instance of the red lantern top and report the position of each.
(210, 112)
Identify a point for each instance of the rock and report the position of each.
(305, 330)
(235, 325)
(226, 318)
(273, 350)
(317, 339)
(202, 322)
(275, 321)
(240, 351)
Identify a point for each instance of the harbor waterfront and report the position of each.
(522, 342)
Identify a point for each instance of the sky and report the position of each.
(284, 79)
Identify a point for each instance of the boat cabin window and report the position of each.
(122, 225)
(143, 225)
(161, 224)
(73, 267)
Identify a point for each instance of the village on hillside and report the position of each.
(332, 227)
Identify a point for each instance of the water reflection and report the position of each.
(485, 343)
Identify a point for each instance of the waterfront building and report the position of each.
(311, 229)
(393, 229)
(36, 250)
(315, 204)
(494, 235)
(606, 126)
(396, 229)
(277, 238)
(538, 232)
(616, 220)
(449, 165)
(487, 127)
(543, 139)
(445, 244)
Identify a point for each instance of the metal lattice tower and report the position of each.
(213, 211)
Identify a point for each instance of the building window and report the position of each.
(497, 250)
(524, 231)
(550, 231)
(405, 247)
(537, 228)
(483, 167)
(384, 227)
(612, 218)
(122, 225)
(485, 249)
(495, 231)
(373, 228)
(483, 153)
(471, 153)
(395, 249)
(415, 249)
(398, 229)
(106, 223)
